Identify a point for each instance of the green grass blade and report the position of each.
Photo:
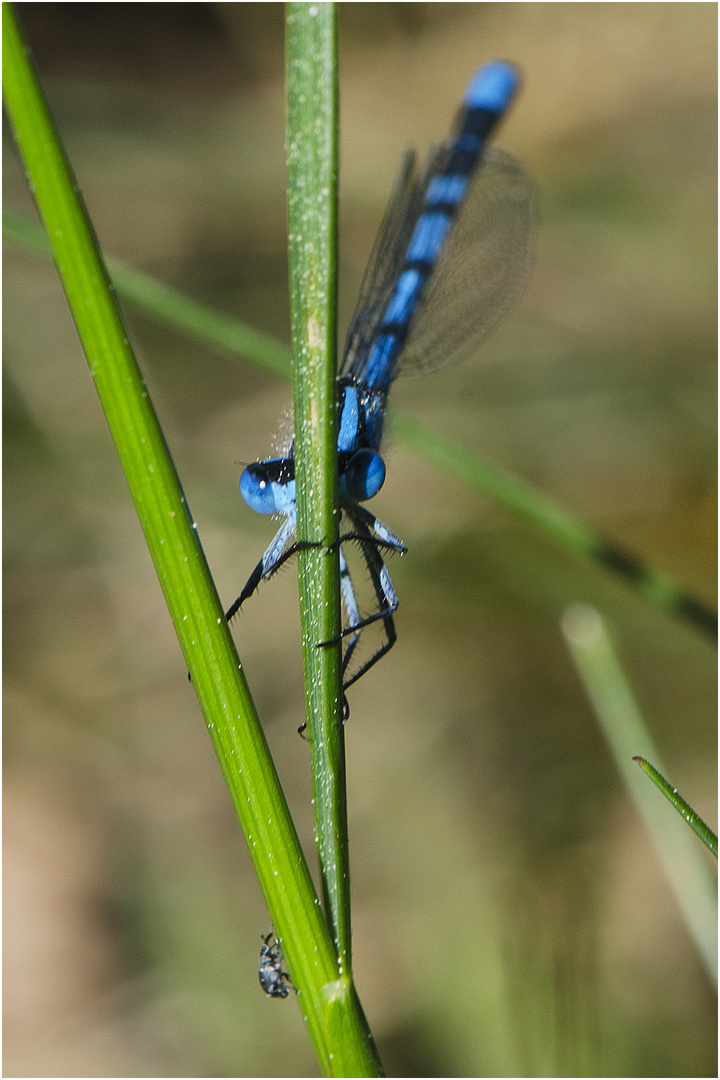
(312, 139)
(180, 563)
(683, 808)
(627, 734)
(553, 520)
(311, 145)
(170, 306)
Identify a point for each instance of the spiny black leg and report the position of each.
(259, 573)
(384, 593)
(378, 570)
(377, 541)
(250, 586)
(346, 716)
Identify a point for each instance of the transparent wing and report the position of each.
(385, 263)
(482, 271)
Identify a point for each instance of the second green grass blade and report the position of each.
(624, 727)
(683, 807)
(330, 1009)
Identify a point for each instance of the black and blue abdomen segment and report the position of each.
(485, 100)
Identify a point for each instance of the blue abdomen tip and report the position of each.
(492, 86)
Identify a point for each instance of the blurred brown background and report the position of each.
(510, 916)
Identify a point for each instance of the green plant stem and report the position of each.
(311, 146)
(329, 1006)
(311, 57)
(683, 808)
(543, 513)
(168, 305)
(596, 659)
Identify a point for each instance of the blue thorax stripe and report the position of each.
(349, 419)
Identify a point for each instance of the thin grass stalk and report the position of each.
(333, 1015)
